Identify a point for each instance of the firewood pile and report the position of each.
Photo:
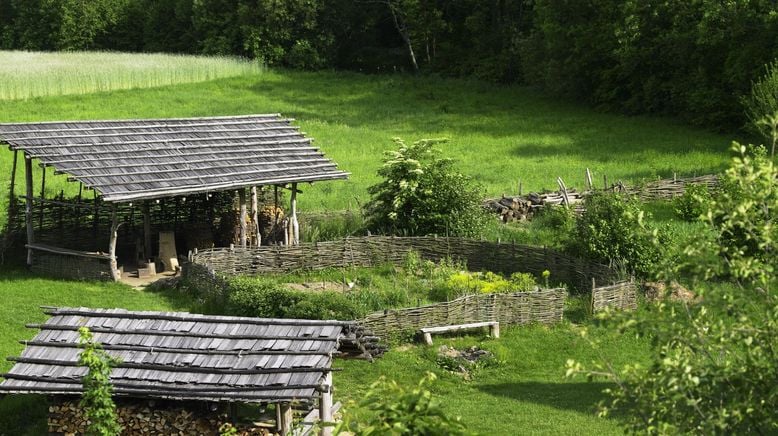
(66, 418)
(357, 342)
(522, 208)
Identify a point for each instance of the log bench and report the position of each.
(494, 329)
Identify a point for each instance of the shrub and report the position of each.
(762, 104)
(693, 204)
(401, 411)
(421, 194)
(612, 230)
(268, 298)
(712, 367)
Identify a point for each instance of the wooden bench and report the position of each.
(494, 329)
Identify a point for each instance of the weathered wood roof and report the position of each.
(181, 356)
(127, 160)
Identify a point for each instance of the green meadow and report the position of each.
(499, 135)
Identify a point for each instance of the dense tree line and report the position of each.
(693, 59)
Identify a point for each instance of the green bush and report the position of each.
(612, 230)
(421, 194)
(267, 298)
(693, 204)
(401, 411)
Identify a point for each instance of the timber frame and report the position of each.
(148, 169)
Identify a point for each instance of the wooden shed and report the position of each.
(151, 176)
(186, 357)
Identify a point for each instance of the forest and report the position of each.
(693, 60)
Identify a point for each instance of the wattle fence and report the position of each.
(368, 251)
(545, 306)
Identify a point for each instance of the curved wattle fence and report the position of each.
(376, 250)
(545, 306)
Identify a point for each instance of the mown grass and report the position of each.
(499, 135)
(526, 393)
(26, 74)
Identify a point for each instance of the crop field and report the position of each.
(37, 74)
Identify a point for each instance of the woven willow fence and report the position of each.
(622, 296)
(376, 250)
(545, 306)
(666, 189)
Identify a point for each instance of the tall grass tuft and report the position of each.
(37, 74)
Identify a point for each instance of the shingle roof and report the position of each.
(127, 160)
(181, 356)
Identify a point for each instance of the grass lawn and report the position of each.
(22, 295)
(524, 394)
(497, 134)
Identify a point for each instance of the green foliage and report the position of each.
(267, 298)
(99, 408)
(421, 194)
(713, 363)
(762, 104)
(693, 204)
(401, 411)
(743, 220)
(613, 230)
(466, 283)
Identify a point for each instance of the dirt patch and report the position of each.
(320, 286)
(464, 362)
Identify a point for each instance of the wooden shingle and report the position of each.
(126, 160)
(176, 355)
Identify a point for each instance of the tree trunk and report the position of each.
(402, 29)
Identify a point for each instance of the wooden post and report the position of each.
(112, 244)
(284, 418)
(589, 184)
(42, 196)
(295, 225)
(494, 329)
(325, 406)
(28, 206)
(243, 216)
(146, 231)
(13, 179)
(255, 215)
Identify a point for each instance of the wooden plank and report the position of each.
(67, 251)
(453, 328)
(325, 406)
(91, 145)
(284, 418)
(115, 274)
(142, 120)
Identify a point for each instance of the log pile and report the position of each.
(66, 418)
(522, 208)
(357, 342)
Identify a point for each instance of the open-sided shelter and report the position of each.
(186, 357)
(152, 175)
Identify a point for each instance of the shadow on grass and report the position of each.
(578, 397)
(23, 415)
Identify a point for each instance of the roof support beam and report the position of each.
(243, 216)
(325, 406)
(28, 207)
(115, 274)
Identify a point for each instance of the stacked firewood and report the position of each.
(358, 342)
(67, 418)
(521, 208)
